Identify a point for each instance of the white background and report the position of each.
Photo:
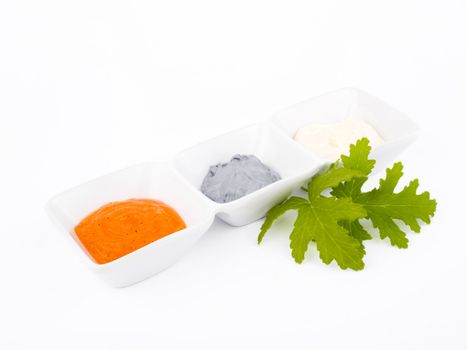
(88, 87)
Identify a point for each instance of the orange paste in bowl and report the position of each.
(119, 228)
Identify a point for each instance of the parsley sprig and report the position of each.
(332, 220)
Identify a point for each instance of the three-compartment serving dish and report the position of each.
(177, 182)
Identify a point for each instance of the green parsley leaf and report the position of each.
(383, 206)
(357, 159)
(318, 220)
(333, 222)
(356, 230)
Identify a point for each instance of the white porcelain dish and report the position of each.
(151, 180)
(397, 130)
(272, 147)
(177, 182)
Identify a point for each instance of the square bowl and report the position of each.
(397, 130)
(157, 181)
(272, 147)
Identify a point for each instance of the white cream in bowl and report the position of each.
(330, 140)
